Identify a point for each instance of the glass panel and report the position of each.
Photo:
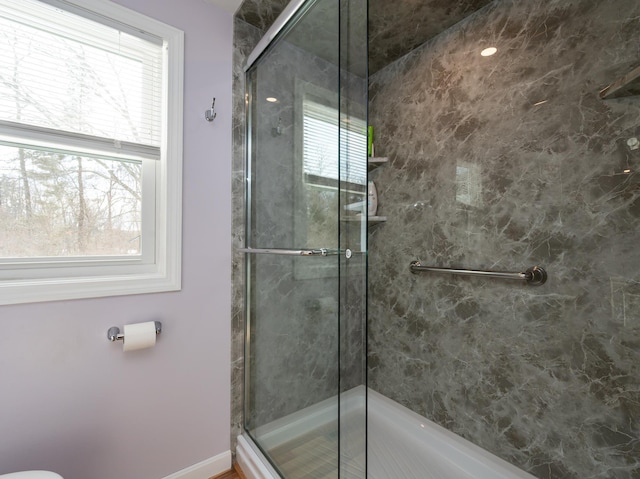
(292, 365)
(305, 369)
(292, 357)
(353, 237)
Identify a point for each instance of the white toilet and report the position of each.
(31, 475)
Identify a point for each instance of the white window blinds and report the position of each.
(102, 82)
(332, 149)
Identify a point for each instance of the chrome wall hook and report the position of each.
(114, 333)
(210, 114)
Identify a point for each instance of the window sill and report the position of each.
(57, 289)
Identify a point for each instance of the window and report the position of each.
(90, 151)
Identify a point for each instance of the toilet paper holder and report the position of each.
(114, 333)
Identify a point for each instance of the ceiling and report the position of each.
(396, 27)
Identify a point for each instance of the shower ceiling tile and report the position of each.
(395, 28)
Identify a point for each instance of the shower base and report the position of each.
(401, 445)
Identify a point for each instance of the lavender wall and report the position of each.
(71, 401)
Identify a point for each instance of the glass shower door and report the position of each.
(305, 245)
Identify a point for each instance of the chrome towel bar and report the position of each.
(535, 276)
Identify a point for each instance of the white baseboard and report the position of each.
(205, 469)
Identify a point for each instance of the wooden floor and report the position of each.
(235, 473)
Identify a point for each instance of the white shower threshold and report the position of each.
(401, 444)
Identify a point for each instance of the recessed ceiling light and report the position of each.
(272, 99)
(487, 52)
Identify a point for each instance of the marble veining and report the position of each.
(501, 163)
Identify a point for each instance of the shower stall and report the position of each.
(484, 322)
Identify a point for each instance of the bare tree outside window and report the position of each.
(55, 202)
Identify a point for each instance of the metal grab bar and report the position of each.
(535, 276)
(291, 252)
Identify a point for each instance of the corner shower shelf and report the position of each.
(628, 85)
(374, 161)
(372, 220)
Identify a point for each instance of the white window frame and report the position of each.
(75, 278)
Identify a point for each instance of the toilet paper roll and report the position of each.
(139, 336)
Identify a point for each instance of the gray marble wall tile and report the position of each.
(501, 163)
(245, 38)
(261, 13)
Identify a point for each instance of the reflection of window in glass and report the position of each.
(89, 153)
(468, 185)
(333, 150)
